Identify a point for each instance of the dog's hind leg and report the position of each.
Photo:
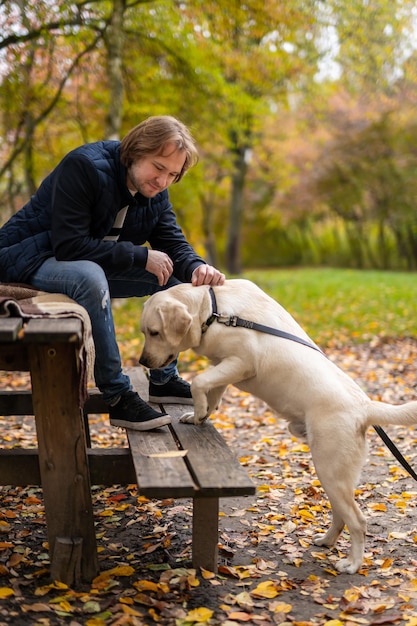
(337, 467)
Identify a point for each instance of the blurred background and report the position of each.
(304, 112)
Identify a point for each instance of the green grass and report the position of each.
(335, 306)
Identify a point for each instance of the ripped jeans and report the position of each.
(88, 284)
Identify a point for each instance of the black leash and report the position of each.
(235, 321)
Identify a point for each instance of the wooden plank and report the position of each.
(14, 357)
(19, 466)
(62, 451)
(159, 473)
(139, 381)
(111, 466)
(19, 402)
(215, 468)
(108, 466)
(57, 330)
(16, 402)
(157, 476)
(9, 328)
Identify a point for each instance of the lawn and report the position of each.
(335, 306)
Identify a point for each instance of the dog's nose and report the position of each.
(143, 360)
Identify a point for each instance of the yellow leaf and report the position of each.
(306, 514)
(42, 591)
(193, 581)
(199, 615)
(167, 455)
(206, 574)
(302, 447)
(379, 506)
(126, 600)
(282, 607)
(265, 589)
(351, 595)
(121, 570)
(145, 585)
(6, 592)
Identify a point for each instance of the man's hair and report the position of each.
(152, 136)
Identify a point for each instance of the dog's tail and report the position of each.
(383, 414)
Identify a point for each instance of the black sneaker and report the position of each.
(175, 391)
(133, 412)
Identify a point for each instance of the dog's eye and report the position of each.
(153, 333)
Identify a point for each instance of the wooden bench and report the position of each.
(179, 461)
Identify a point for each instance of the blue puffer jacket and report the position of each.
(74, 209)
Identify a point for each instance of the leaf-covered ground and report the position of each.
(269, 571)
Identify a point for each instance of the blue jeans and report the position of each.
(92, 288)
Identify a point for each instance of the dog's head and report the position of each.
(165, 323)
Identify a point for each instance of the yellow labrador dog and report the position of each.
(319, 401)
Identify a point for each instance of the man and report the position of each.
(83, 234)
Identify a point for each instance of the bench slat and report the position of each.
(159, 476)
(214, 467)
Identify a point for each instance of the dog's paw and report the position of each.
(187, 418)
(345, 566)
(191, 418)
(323, 540)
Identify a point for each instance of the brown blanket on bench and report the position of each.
(18, 300)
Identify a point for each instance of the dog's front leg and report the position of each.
(204, 404)
(207, 388)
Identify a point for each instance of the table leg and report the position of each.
(63, 461)
(205, 533)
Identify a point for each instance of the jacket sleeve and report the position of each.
(78, 225)
(168, 237)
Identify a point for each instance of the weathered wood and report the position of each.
(160, 472)
(180, 460)
(66, 329)
(62, 450)
(205, 533)
(16, 402)
(9, 328)
(215, 469)
(111, 466)
(108, 466)
(66, 560)
(211, 466)
(14, 357)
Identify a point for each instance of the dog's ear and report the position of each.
(176, 321)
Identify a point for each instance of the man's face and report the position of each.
(154, 173)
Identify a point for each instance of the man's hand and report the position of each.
(207, 275)
(161, 265)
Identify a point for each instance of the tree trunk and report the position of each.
(233, 259)
(114, 42)
(209, 236)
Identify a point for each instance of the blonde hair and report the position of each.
(152, 136)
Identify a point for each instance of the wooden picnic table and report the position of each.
(179, 461)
